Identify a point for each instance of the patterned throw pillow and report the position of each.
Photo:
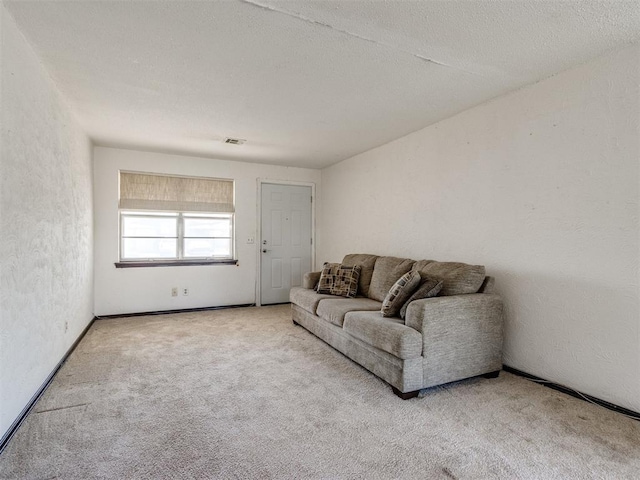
(430, 287)
(346, 281)
(327, 277)
(399, 293)
(336, 279)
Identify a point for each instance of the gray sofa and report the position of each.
(453, 336)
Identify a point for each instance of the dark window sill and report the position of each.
(172, 263)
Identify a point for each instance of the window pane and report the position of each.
(149, 248)
(149, 226)
(207, 247)
(207, 227)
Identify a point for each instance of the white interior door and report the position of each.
(286, 240)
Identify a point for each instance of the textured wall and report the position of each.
(541, 186)
(46, 279)
(127, 290)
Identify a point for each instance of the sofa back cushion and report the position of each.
(366, 263)
(457, 278)
(386, 272)
(488, 286)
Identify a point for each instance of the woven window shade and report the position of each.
(140, 191)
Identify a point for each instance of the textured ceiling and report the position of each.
(306, 83)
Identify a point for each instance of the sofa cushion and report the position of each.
(488, 285)
(307, 299)
(327, 277)
(385, 273)
(458, 278)
(345, 283)
(387, 334)
(366, 263)
(430, 287)
(399, 293)
(334, 309)
(336, 279)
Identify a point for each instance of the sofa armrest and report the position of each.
(310, 280)
(461, 335)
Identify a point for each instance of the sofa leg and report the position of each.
(406, 395)
(492, 374)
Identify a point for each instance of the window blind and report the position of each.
(142, 191)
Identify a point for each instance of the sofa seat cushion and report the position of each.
(307, 299)
(387, 272)
(334, 309)
(458, 278)
(388, 334)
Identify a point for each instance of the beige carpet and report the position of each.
(243, 393)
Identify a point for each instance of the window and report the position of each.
(168, 220)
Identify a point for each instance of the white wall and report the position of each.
(46, 241)
(128, 290)
(541, 186)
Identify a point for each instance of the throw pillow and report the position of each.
(336, 279)
(430, 287)
(327, 277)
(399, 293)
(386, 272)
(346, 281)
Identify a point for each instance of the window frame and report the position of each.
(179, 259)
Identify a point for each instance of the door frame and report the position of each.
(260, 182)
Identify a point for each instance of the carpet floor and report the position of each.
(243, 393)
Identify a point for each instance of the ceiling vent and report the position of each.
(234, 141)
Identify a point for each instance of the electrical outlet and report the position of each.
(66, 326)
(251, 240)
(185, 292)
(174, 292)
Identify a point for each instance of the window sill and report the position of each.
(172, 263)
